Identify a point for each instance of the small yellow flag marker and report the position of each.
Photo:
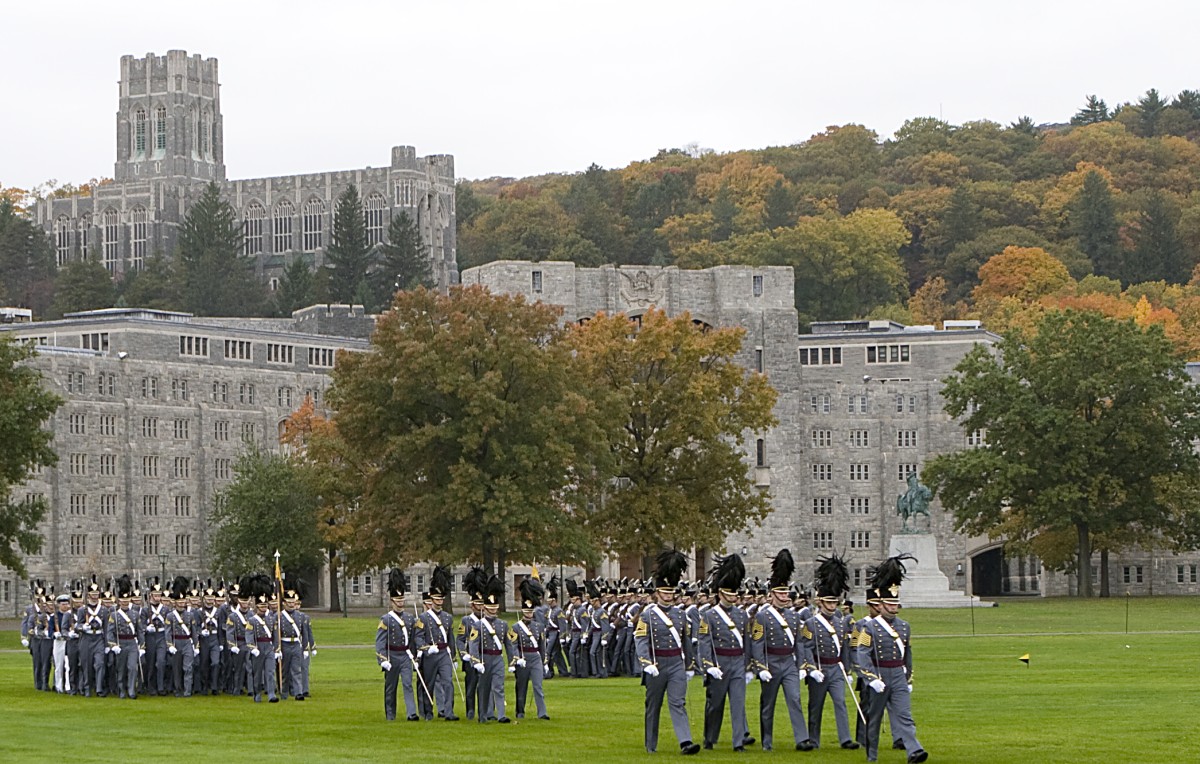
(1024, 659)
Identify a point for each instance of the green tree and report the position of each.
(25, 407)
(1094, 110)
(26, 261)
(1150, 108)
(471, 428)
(1093, 221)
(780, 209)
(1024, 125)
(216, 278)
(1089, 429)
(403, 262)
(724, 210)
(681, 406)
(961, 222)
(83, 285)
(297, 288)
(155, 286)
(269, 506)
(348, 257)
(1158, 253)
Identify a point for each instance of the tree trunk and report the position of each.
(335, 600)
(1084, 572)
(1104, 592)
(501, 563)
(488, 557)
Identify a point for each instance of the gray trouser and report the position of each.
(786, 676)
(402, 674)
(597, 655)
(438, 674)
(835, 687)
(531, 673)
(209, 664)
(293, 656)
(672, 682)
(732, 686)
(470, 687)
(262, 671)
(578, 658)
(155, 661)
(235, 683)
(895, 699)
(127, 664)
(183, 662)
(91, 660)
(553, 658)
(305, 658)
(491, 689)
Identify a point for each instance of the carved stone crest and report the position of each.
(643, 288)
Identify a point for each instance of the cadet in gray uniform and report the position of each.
(436, 647)
(474, 583)
(552, 649)
(663, 650)
(181, 640)
(308, 642)
(577, 618)
(261, 643)
(775, 656)
(598, 626)
(126, 640)
(211, 633)
(884, 659)
(238, 636)
(291, 639)
(153, 619)
(91, 621)
(395, 648)
(724, 657)
(826, 641)
(525, 647)
(488, 643)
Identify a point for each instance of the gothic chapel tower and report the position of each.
(169, 120)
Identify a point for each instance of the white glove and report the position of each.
(220, 648)
(255, 653)
(204, 632)
(765, 675)
(172, 649)
(107, 650)
(715, 672)
(803, 673)
(512, 669)
(817, 676)
(877, 685)
(691, 675)
(433, 650)
(650, 670)
(910, 688)
(151, 629)
(604, 643)
(59, 636)
(234, 650)
(465, 659)
(479, 667)
(386, 665)
(306, 653)
(24, 642)
(279, 655)
(314, 651)
(141, 652)
(521, 662)
(749, 677)
(117, 650)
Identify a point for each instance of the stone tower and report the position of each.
(169, 120)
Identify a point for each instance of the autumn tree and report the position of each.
(1090, 424)
(472, 429)
(25, 407)
(683, 405)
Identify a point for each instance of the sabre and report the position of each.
(416, 663)
(853, 694)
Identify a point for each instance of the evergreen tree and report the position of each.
(1158, 253)
(155, 286)
(26, 261)
(961, 222)
(404, 262)
(1024, 125)
(780, 209)
(1151, 107)
(1188, 101)
(1093, 111)
(297, 288)
(83, 285)
(723, 211)
(1093, 221)
(217, 280)
(349, 254)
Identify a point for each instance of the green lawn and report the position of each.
(1084, 696)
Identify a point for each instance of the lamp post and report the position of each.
(341, 555)
(162, 558)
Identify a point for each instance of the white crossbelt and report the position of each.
(888, 628)
(400, 621)
(737, 634)
(837, 643)
(529, 634)
(669, 623)
(787, 630)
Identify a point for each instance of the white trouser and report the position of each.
(62, 667)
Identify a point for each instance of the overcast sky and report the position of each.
(522, 88)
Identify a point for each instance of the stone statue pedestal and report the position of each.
(925, 585)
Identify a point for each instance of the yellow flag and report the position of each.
(1024, 659)
(535, 574)
(278, 575)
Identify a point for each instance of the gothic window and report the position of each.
(282, 226)
(314, 213)
(137, 240)
(253, 225)
(373, 212)
(112, 228)
(202, 131)
(62, 240)
(160, 128)
(139, 132)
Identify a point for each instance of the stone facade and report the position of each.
(170, 143)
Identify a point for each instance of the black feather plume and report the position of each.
(728, 573)
(832, 576)
(439, 582)
(531, 593)
(782, 568)
(396, 583)
(669, 568)
(889, 574)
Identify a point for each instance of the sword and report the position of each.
(853, 694)
(425, 687)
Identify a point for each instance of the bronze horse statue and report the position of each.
(914, 501)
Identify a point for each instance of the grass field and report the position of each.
(1090, 692)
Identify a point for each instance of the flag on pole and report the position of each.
(1024, 659)
(535, 573)
(278, 575)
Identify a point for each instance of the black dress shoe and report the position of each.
(504, 720)
(708, 746)
(897, 745)
(299, 697)
(414, 718)
(451, 718)
(689, 748)
(748, 741)
(544, 718)
(739, 749)
(917, 756)
(805, 745)
(850, 745)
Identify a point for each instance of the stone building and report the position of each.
(170, 144)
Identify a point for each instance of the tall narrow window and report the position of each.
(139, 132)
(62, 240)
(137, 241)
(160, 128)
(85, 224)
(282, 226)
(202, 130)
(314, 213)
(112, 227)
(373, 213)
(255, 214)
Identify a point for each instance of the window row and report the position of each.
(149, 387)
(822, 403)
(822, 472)
(71, 237)
(255, 229)
(857, 505)
(860, 438)
(825, 539)
(831, 355)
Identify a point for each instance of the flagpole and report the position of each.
(277, 659)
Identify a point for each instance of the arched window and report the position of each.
(160, 128)
(281, 226)
(139, 132)
(112, 232)
(139, 230)
(253, 228)
(62, 240)
(314, 214)
(374, 214)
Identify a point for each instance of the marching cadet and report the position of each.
(126, 640)
(208, 625)
(181, 639)
(34, 628)
(663, 647)
(556, 622)
(395, 648)
(487, 644)
(91, 621)
(291, 638)
(525, 648)
(308, 642)
(434, 628)
(775, 655)
(153, 619)
(237, 631)
(261, 643)
(474, 583)
(724, 657)
(576, 616)
(884, 659)
(60, 626)
(826, 642)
